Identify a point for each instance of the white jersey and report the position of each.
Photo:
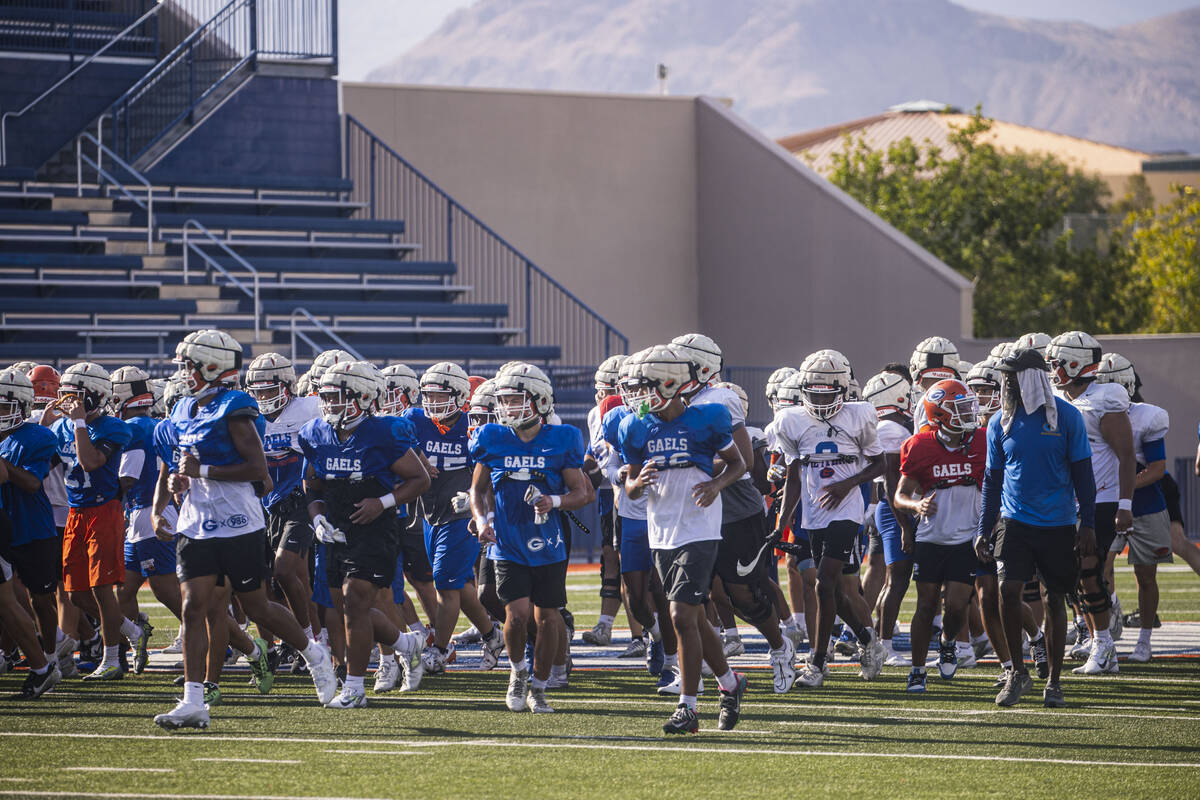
(829, 451)
(891, 436)
(1150, 423)
(1096, 401)
(594, 427)
(282, 435)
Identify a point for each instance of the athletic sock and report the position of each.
(728, 681)
(255, 653)
(1038, 636)
(1104, 637)
(130, 630)
(558, 671)
(1006, 664)
(655, 631)
(1113, 597)
(517, 666)
(355, 684)
(59, 636)
(308, 634)
(43, 669)
(193, 693)
(112, 655)
(419, 628)
(400, 643)
(671, 660)
(607, 619)
(864, 635)
(538, 683)
(688, 700)
(1144, 635)
(919, 670)
(798, 619)
(50, 658)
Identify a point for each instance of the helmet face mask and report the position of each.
(271, 396)
(341, 407)
(951, 407)
(438, 403)
(1073, 356)
(823, 400)
(524, 395)
(270, 379)
(89, 383)
(12, 415)
(348, 393)
(16, 399)
(482, 408)
(823, 383)
(444, 387)
(401, 389)
(1115, 368)
(515, 409)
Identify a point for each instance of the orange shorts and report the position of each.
(94, 547)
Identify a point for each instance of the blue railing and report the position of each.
(78, 27)
(548, 313)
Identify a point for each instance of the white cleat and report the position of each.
(781, 664)
(470, 636)
(64, 652)
(348, 699)
(493, 646)
(518, 689)
(600, 635)
(810, 677)
(895, 659)
(733, 645)
(536, 701)
(434, 660)
(966, 655)
(795, 633)
(871, 657)
(1116, 623)
(183, 716)
(675, 686)
(1082, 648)
(1101, 660)
(386, 675)
(323, 677)
(411, 666)
(1141, 653)
(175, 647)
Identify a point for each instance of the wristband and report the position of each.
(388, 500)
(204, 470)
(1125, 504)
(482, 520)
(556, 500)
(80, 423)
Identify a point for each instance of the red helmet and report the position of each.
(45, 383)
(951, 407)
(609, 403)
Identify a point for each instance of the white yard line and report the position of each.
(115, 769)
(253, 760)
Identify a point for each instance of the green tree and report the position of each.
(1163, 247)
(997, 217)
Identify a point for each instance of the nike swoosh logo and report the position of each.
(745, 569)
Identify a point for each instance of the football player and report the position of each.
(606, 385)
(525, 470)
(358, 468)
(832, 448)
(934, 359)
(671, 448)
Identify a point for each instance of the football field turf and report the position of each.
(1136, 734)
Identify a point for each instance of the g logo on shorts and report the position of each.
(535, 544)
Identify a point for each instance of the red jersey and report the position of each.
(956, 476)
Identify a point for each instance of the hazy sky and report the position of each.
(373, 32)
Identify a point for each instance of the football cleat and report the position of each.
(470, 636)
(348, 698)
(781, 665)
(966, 655)
(212, 694)
(535, 699)
(386, 675)
(683, 720)
(671, 682)
(518, 688)
(1016, 687)
(1101, 660)
(811, 676)
(434, 660)
(731, 704)
(37, 685)
(655, 657)
(981, 647)
(947, 660)
(635, 649)
(870, 658)
(599, 636)
(1052, 697)
(141, 652)
(733, 645)
(260, 668)
(916, 681)
(105, 672)
(897, 660)
(1083, 646)
(559, 681)
(322, 673)
(64, 653)
(1116, 622)
(183, 716)
(175, 647)
(412, 668)
(1002, 678)
(1141, 653)
(493, 646)
(846, 644)
(795, 633)
(1041, 661)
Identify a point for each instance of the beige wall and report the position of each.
(598, 190)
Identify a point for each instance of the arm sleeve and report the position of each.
(1085, 491)
(993, 485)
(131, 463)
(1154, 451)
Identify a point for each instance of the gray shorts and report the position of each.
(687, 571)
(1149, 539)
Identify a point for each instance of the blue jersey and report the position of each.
(141, 494)
(204, 429)
(447, 451)
(515, 466)
(30, 447)
(166, 444)
(285, 460)
(610, 427)
(88, 489)
(370, 451)
(1036, 460)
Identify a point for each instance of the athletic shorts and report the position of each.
(889, 534)
(1170, 490)
(1027, 551)
(838, 541)
(150, 557)
(38, 565)
(608, 515)
(412, 548)
(398, 596)
(321, 595)
(687, 571)
(943, 563)
(1149, 540)
(853, 566)
(94, 547)
(1106, 526)
(139, 522)
(743, 544)
(804, 559)
(453, 551)
(545, 584)
(485, 569)
(370, 557)
(289, 526)
(635, 545)
(242, 560)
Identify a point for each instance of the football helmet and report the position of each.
(853, 391)
(348, 392)
(24, 366)
(775, 381)
(445, 388)
(890, 393)
(1073, 356)
(326, 359)
(304, 384)
(175, 389)
(524, 395)
(1038, 341)
(703, 354)
(951, 407)
(1001, 350)
(935, 357)
(654, 377)
(741, 395)
(131, 389)
(402, 388)
(208, 357)
(16, 398)
(790, 391)
(158, 388)
(482, 408)
(985, 381)
(88, 381)
(824, 383)
(1116, 368)
(607, 376)
(45, 384)
(270, 380)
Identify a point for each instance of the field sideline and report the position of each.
(1136, 734)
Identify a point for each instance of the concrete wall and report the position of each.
(598, 190)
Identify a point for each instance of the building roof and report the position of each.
(882, 130)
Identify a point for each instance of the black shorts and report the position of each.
(485, 569)
(1025, 551)
(853, 566)
(371, 558)
(545, 585)
(1170, 490)
(417, 568)
(289, 527)
(38, 564)
(608, 521)
(839, 541)
(874, 539)
(943, 563)
(804, 551)
(239, 559)
(1106, 528)
(686, 572)
(741, 543)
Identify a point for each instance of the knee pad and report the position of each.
(1098, 601)
(1031, 595)
(755, 609)
(610, 589)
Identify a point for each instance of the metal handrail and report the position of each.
(322, 327)
(80, 158)
(64, 79)
(253, 295)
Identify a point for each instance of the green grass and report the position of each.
(455, 739)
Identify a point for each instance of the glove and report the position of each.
(326, 532)
(777, 472)
(460, 503)
(532, 495)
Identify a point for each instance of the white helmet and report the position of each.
(985, 381)
(380, 387)
(703, 354)
(775, 381)
(790, 392)
(741, 394)
(532, 386)
(1038, 341)
(24, 366)
(963, 368)
(890, 393)
(1000, 351)
(482, 408)
(608, 374)
(16, 398)
(174, 389)
(853, 391)
(131, 388)
(1116, 368)
(935, 357)
(449, 379)
(654, 376)
(1073, 356)
(208, 357)
(348, 393)
(158, 388)
(403, 388)
(271, 379)
(88, 381)
(824, 383)
(304, 384)
(326, 359)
